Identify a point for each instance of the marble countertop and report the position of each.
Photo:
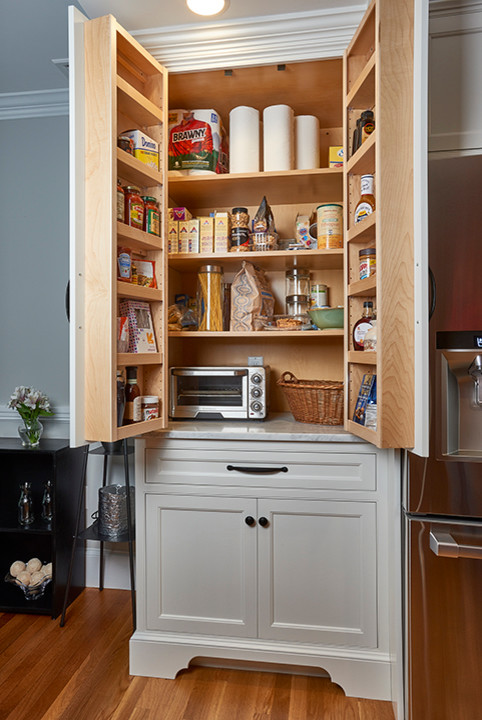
(280, 427)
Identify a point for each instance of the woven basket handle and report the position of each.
(289, 377)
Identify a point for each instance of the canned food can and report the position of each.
(329, 219)
(319, 296)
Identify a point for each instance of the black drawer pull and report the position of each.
(264, 522)
(257, 470)
(249, 520)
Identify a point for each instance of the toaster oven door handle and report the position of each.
(218, 372)
(257, 470)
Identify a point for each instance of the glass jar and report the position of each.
(368, 262)
(297, 304)
(239, 217)
(297, 282)
(210, 298)
(240, 240)
(134, 207)
(151, 215)
(25, 504)
(121, 201)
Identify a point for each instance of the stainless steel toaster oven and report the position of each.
(210, 393)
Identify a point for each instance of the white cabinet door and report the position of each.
(455, 77)
(318, 572)
(201, 565)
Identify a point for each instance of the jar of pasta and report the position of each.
(210, 298)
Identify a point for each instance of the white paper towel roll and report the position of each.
(243, 140)
(307, 142)
(278, 137)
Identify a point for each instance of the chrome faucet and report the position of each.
(475, 371)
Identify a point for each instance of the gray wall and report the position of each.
(34, 262)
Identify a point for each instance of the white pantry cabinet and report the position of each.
(263, 551)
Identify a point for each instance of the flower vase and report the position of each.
(30, 432)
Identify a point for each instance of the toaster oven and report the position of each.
(215, 393)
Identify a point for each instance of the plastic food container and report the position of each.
(327, 317)
(264, 241)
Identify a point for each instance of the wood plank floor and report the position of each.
(81, 672)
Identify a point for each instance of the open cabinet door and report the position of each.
(385, 70)
(115, 86)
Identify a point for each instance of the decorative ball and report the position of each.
(24, 578)
(47, 570)
(36, 578)
(17, 567)
(34, 565)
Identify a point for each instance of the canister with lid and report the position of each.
(134, 207)
(297, 281)
(329, 220)
(151, 215)
(210, 298)
(297, 304)
(239, 217)
(368, 262)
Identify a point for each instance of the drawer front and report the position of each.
(306, 470)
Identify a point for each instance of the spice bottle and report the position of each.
(132, 409)
(363, 325)
(367, 125)
(210, 298)
(25, 504)
(366, 204)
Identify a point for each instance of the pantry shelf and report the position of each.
(139, 359)
(360, 357)
(363, 161)
(364, 231)
(361, 431)
(275, 259)
(132, 103)
(300, 186)
(138, 292)
(139, 428)
(272, 334)
(135, 171)
(138, 239)
(362, 93)
(361, 288)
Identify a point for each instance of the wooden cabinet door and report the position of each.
(115, 85)
(386, 71)
(317, 572)
(201, 560)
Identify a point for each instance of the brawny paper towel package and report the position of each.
(197, 142)
(244, 140)
(307, 142)
(278, 137)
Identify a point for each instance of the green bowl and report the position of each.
(327, 317)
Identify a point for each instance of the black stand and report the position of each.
(92, 532)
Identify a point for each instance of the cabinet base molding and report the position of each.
(364, 674)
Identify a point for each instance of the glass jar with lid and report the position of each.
(210, 298)
(297, 281)
(297, 304)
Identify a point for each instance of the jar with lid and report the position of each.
(151, 215)
(240, 240)
(210, 298)
(239, 217)
(368, 262)
(134, 207)
(149, 407)
(297, 304)
(297, 281)
(121, 200)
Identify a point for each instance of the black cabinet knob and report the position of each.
(264, 522)
(249, 520)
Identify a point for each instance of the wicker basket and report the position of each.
(313, 401)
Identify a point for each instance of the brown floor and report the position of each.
(80, 672)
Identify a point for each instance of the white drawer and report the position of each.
(287, 469)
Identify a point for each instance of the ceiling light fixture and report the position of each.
(206, 7)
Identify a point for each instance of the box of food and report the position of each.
(206, 234)
(179, 213)
(302, 230)
(335, 156)
(193, 235)
(184, 236)
(222, 232)
(141, 328)
(145, 148)
(197, 141)
(173, 236)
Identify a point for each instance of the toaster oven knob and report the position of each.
(256, 406)
(256, 392)
(257, 378)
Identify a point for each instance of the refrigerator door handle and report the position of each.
(443, 544)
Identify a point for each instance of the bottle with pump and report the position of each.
(131, 412)
(366, 204)
(362, 325)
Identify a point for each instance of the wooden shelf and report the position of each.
(360, 288)
(252, 335)
(138, 292)
(292, 186)
(274, 259)
(139, 428)
(362, 94)
(132, 103)
(360, 357)
(363, 161)
(361, 431)
(137, 172)
(139, 359)
(137, 239)
(364, 231)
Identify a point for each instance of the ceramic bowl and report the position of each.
(327, 317)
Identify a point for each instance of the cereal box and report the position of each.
(141, 329)
(206, 234)
(335, 156)
(179, 213)
(193, 235)
(197, 141)
(145, 148)
(222, 230)
(173, 236)
(302, 230)
(184, 236)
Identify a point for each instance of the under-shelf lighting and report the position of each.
(207, 7)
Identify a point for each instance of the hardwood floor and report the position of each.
(81, 672)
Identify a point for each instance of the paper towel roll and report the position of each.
(278, 137)
(307, 142)
(243, 140)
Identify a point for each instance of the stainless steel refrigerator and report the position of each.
(442, 494)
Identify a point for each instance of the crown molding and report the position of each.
(34, 104)
(445, 8)
(283, 38)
